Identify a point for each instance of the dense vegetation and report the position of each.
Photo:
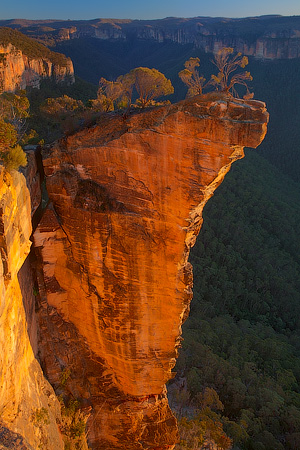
(30, 47)
(243, 334)
(48, 128)
(278, 84)
(13, 115)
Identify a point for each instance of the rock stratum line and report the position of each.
(126, 206)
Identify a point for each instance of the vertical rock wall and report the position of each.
(29, 409)
(18, 71)
(127, 198)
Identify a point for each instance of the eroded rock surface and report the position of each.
(127, 198)
(29, 410)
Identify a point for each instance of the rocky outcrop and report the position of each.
(115, 282)
(24, 62)
(19, 71)
(29, 410)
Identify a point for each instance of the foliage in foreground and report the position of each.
(13, 158)
(11, 154)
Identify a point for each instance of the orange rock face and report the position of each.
(127, 199)
(18, 71)
(24, 390)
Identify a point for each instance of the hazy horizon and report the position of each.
(47, 19)
(136, 10)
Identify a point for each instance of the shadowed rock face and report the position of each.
(270, 37)
(127, 198)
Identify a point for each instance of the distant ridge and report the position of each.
(268, 36)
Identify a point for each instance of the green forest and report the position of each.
(243, 335)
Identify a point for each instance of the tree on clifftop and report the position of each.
(108, 95)
(149, 84)
(226, 80)
(191, 78)
(143, 83)
(227, 63)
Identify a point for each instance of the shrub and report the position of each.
(13, 158)
(73, 425)
(40, 416)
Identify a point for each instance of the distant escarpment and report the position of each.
(126, 201)
(24, 62)
(270, 37)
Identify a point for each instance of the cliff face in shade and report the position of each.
(270, 37)
(24, 390)
(127, 198)
(19, 71)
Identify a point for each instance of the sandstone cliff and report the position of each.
(24, 63)
(270, 37)
(114, 278)
(29, 410)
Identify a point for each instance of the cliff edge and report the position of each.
(126, 206)
(25, 62)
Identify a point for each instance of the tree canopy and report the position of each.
(11, 153)
(190, 76)
(145, 84)
(150, 84)
(109, 95)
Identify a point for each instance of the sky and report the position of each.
(143, 9)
